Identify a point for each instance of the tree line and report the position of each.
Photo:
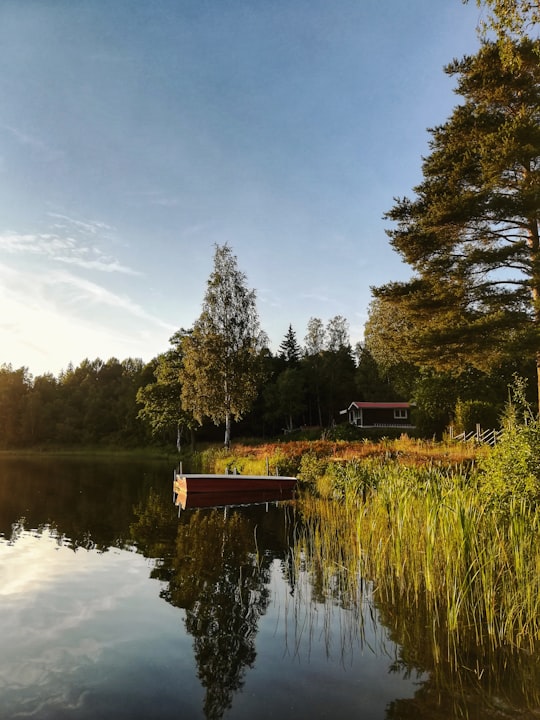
(132, 403)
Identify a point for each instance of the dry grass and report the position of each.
(408, 451)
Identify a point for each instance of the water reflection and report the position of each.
(219, 573)
(86, 504)
(467, 679)
(266, 612)
(460, 676)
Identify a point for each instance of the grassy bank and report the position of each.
(289, 458)
(447, 527)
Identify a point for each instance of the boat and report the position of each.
(227, 498)
(208, 483)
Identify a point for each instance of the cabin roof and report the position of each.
(379, 405)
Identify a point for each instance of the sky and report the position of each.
(135, 135)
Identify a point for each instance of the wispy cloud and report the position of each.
(36, 144)
(89, 227)
(157, 197)
(65, 249)
(86, 292)
(49, 318)
(318, 297)
(65, 290)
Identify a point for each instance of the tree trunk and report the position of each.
(227, 442)
(533, 242)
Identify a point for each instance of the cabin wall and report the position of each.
(368, 417)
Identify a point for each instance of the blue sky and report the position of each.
(136, 134)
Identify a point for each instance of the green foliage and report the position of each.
(161, 399)
(344, 431)
(471, 232)
(14, 391)
(282, 463)
(222, 356)
(91, 404)
(511, 472)
(435, 397)
(470, 413)
(353, 479)
(285, 398)
(329, 369)
(509, 20)
(388, 335)
(289, 350)
(312, 467)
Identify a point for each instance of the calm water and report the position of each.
(113, 606)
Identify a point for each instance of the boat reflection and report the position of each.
(226, 498)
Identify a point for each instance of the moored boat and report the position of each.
(224, 498)
(208, 483)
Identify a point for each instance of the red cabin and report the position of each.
(379, 414)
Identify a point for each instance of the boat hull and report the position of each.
(231, 483)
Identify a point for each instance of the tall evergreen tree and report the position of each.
(472, 234)
(222, 356)
(510, 20)
(289, 350)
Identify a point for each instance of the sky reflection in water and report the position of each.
(88, 633)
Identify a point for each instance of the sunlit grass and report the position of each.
(456, 584)
(423, 536)
(285, 458)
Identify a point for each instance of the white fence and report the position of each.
(486, 437)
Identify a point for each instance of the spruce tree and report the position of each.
(289, 350)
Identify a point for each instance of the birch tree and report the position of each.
(222, 356)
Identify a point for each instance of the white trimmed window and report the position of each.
(400, 414)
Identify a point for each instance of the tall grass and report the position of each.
(457, 584)
(425, 536)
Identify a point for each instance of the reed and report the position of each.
(420, 553)
(424, 535)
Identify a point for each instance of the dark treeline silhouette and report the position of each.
(92, 403)
(130, 403)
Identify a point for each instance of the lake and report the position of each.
(113, 604)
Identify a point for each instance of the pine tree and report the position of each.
(472, 234)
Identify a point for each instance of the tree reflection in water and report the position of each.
(213, 567)
(217, 575)
(463, 679)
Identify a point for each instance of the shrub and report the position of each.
(354, 478)
(511, 471)
(311, 468)
(470, 413)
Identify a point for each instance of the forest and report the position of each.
(130, 403)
